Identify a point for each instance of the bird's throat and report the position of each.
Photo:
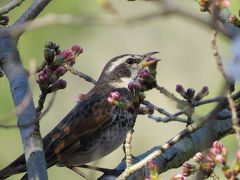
(121, 83)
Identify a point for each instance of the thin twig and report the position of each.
(81, 75)
(229, 85)
(168, 119)
(49, 105)
(207, 101)
(10, 6)
(128, 149)
(190, 129)
(168, 94)
(76, 170)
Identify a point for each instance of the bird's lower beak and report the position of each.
(148, 59)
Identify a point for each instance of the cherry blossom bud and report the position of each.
(188, 169)
(144, 74)
(61, 84)
(43, 76)
(115, 95)
(77, 50)
(224, 3)
(220, 159)
(190, 93)
(198, 157)
(134, 86)
(60, 71)
(179, 88)
(111, 100)
(232, 18)
(179, 177)
(66, 53)
(202, 93)
(217, 144)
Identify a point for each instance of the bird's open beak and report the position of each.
(148, 59)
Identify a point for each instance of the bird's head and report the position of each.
(120, 70)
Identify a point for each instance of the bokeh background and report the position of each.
(185, 51)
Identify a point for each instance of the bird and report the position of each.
(93, 128)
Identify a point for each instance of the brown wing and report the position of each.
(86, 117)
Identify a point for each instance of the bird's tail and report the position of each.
(17, 166)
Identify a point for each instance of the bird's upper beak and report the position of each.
(148, 59)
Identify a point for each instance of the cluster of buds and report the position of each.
(144, 81)
(205, 5)
(115, 98)
(190, 95)
(206, 162)
(54, 66)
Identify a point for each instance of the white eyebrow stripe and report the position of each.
(119, 61)
(116, 63)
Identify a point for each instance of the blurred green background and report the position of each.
(184, 48)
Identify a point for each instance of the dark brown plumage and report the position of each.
(93, 128)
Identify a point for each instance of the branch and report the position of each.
(216, 113)
(81, 75)
(18, 80)
(31, 13)
(183, 150)
(229, 86)
(10, 6)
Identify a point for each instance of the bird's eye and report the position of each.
(131, 60)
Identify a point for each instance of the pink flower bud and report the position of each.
(130, 85)
(60, 71)
(66, 53)
(134, 86)
(198, 157)
(224, 3)
(115, 95)
(111, 100)
(205, 89)
(232, 18)
(178, 177)
(220, 159)
(77, 50)
(144, 74)
(218, 145)
(179, 88)
(61, 84)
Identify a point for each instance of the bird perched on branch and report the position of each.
(94, 127)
